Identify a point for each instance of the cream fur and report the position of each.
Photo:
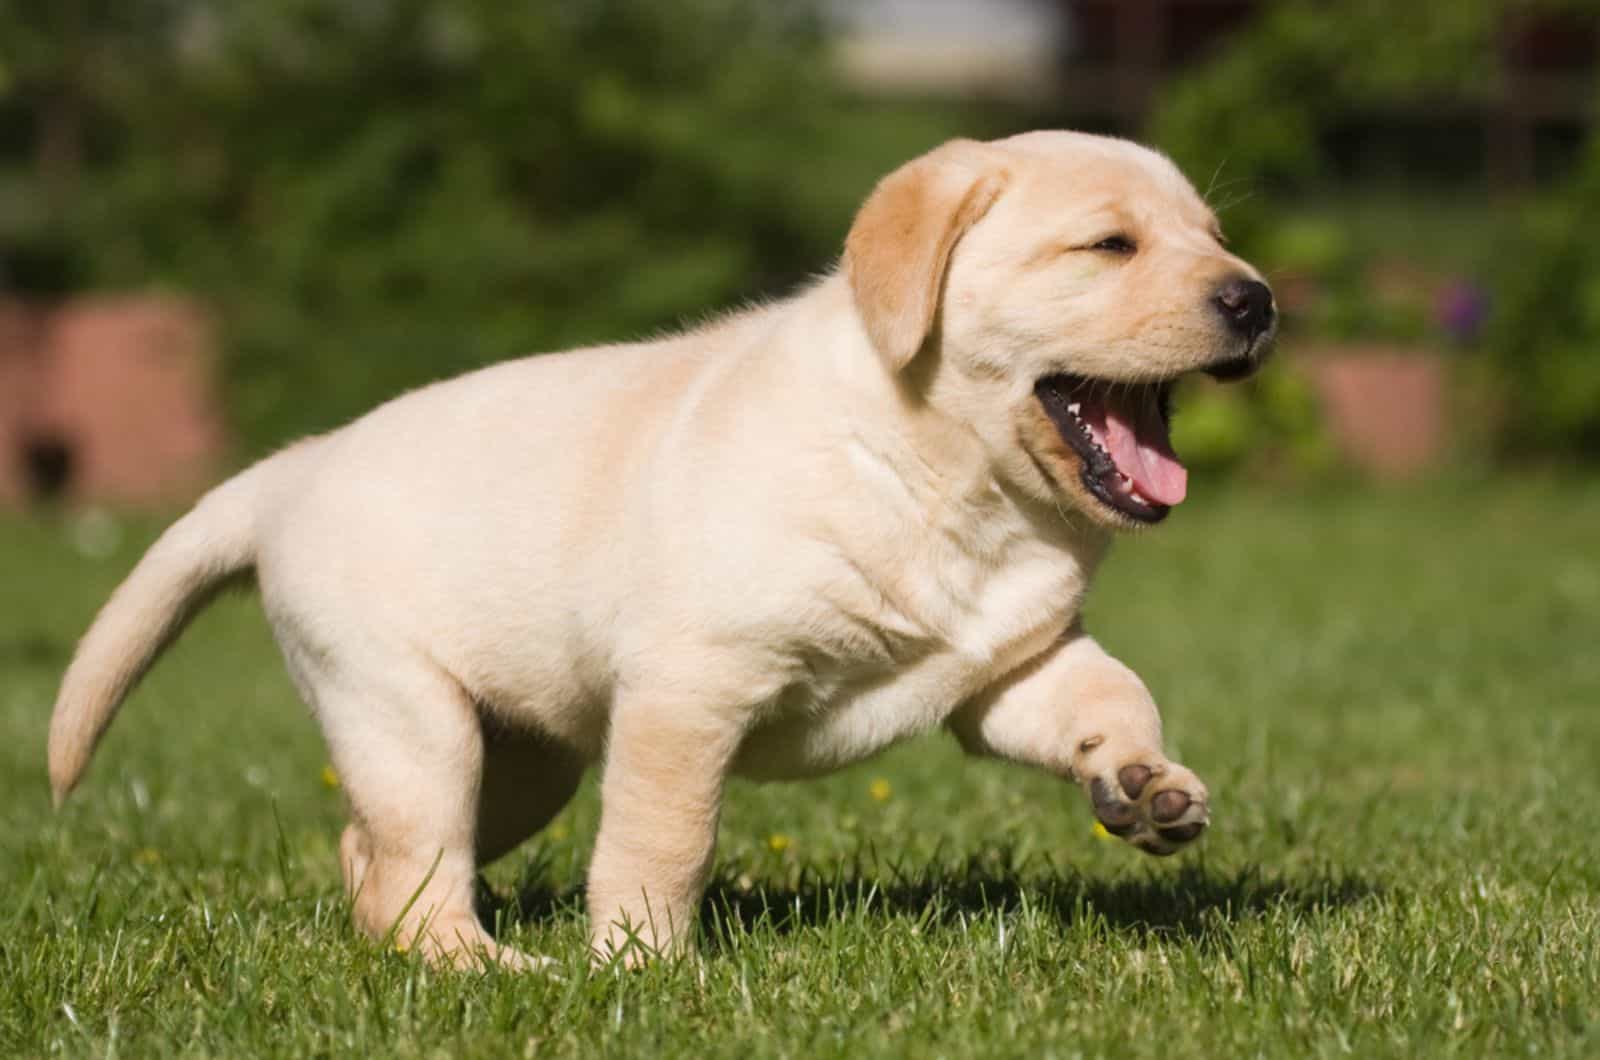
(769, 546)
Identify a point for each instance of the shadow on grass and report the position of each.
(1189, 904)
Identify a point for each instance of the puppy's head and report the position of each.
(1048, 290)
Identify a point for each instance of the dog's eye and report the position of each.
(1117, 244)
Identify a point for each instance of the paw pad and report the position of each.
(1133, 779)
(1157, 807)
(1118, 817)
(1168, 806)
(1182, 833)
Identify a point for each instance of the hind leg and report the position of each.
(407, 744)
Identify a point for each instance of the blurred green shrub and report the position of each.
(1331, 290)
(1271, 427)
(1544, 343)
(378, 194)
(1266, 105)
(1261, 116)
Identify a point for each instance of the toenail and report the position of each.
(1168, 806)
(1181, 833)
(1133, 779)
(1118, 817)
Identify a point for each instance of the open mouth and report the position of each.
(1120, 432)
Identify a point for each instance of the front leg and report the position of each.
(1080, 714)
(661, 798)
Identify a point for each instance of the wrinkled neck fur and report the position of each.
(927, 461)
(884, 417)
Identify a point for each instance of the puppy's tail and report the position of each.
(210, 546)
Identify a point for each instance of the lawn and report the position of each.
(1393, 697)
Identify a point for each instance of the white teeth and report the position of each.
(1075, 410)
(1126, 485)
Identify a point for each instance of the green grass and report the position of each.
(1392, 697)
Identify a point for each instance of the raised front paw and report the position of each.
(1157, 805)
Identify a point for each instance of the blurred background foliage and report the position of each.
(1545, 340)
(1520, 280)
(377, 194)
(1272, 103)
(374, 193)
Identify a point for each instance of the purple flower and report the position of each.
(1461, 309)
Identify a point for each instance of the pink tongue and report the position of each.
(1144, 453)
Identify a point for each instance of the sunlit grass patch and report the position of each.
(1391, 698)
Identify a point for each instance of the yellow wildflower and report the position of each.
(777, 842)
(330, 779)
(880, 790)
(147, 855)
(1101, 833)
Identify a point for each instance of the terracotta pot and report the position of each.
(108, 399)
(1385, 405)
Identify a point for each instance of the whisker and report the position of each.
(1212, 184)
(1231, 182)
(1065, 518)
(1235, 201)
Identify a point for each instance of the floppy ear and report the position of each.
(897, 250)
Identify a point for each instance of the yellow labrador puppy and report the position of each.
(770, 546)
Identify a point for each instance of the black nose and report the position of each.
(1246, 305)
